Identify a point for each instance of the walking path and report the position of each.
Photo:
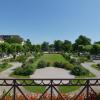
(7, 72)
(87, 65)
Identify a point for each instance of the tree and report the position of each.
(15, 49)
(87, 48)
(83, 40)
(45, 46)
(37, 48)
(98, 42)
(80, 42)
(14, 39)
(95, 49)
(29, 45)
(67, 46)
(4, 48)
(58, 44)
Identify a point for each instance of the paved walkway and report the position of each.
(7, 72)
(87, 65)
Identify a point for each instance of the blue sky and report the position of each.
(49, 20)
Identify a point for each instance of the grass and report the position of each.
(65, 89)
(53, 58)
(96, 67)
(2, 67)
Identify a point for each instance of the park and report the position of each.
(20, 59)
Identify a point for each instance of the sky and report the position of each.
(49, 20)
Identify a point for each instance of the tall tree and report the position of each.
(83, 40)
(67, 46)
(58, 44)
(45, 46)
(95, 49)
(14, 39)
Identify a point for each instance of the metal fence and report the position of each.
(86, 86)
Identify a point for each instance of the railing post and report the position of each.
(87, 91)
(14, 90)
(51, 90)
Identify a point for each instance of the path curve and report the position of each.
(7, 72)
(87, 65)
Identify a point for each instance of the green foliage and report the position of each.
(82, 59)
(14, 39)
(98, 65)
(73, 61)
(25, 71)
(4, 65)
(21, 58)
(83, 40)
(66, 56)
(95, 49)
(51, 58)
(58, 45)
(78, 71)
(45, 46)
(43, 64)
(66, 65)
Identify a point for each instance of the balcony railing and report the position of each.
(86, 86)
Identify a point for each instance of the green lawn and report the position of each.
(53, 58)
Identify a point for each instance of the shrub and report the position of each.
(21, 58)
(73, 61)
(30, 61)
(66, 65)
(78, 71)
(48, 64)
(25, 71)
(82, 59)
(98, 65)
(41, 64)
(66, 56)
(4, 64)
(58, 64)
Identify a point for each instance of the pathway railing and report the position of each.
(87, 87)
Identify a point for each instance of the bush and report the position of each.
(98, 65)
(4, 64)
(78, 71)
(66, 56)
(30, 61)
(58, 64)
(25, 71)
(48, 64)
(66, 65)
(73, 61)
(41, 64)
(82, 59)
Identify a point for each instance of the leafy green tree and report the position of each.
(37, 48)
(58, 44)
(87, 48)
(4, 48)
(67, 46)
(45, 46)
(14, 39)
(83, 40)
(95, 49)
